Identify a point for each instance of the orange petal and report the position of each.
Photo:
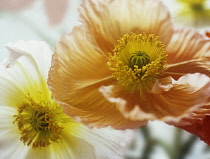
(76, 60)
(187, 44)
(200, 65)
(127, 103)
(87, 105)
(168, 100)
(109, 20)
(77, 71)
(197, 123)
(207, 34)
(55, 10)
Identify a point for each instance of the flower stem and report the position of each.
(180, 149)
(149, 143)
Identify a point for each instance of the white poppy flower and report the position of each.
(32, 124)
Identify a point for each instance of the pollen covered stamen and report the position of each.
(139, 59)
(40, 124)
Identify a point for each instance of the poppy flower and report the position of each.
(127, 64)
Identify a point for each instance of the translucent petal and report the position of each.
(109, 20)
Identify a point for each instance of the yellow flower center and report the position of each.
(40, 124)
(137, 61)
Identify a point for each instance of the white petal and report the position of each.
(196, 79)
(10, 144)
(42, 153)
(30, 63)
(74, 148)
(37, 52)
(70, 147)
(16, 149)
(108, 142)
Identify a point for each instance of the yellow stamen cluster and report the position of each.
(137, 60)
(40, 124)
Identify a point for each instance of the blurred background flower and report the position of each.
(191, 13)
(54, 9)
(30, 21)
(27, 19)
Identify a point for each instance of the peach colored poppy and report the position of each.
(126, 64)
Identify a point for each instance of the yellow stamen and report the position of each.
(137, 61)
(40, 124)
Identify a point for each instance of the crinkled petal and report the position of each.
(108, 20)
(77, 60)
(188, 52)
(28, 64)
(200, 65)
(87, 105)
(124, 101)
(187, 44)
(168, 100)
(204, 129)
(196, 123)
